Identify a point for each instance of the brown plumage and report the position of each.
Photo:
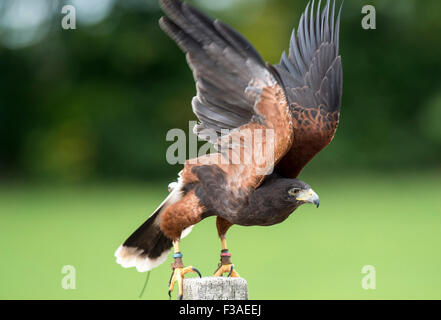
(314, 130)
(294, 106)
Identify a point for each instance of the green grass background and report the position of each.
(390, 221)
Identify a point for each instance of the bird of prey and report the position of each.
(295, 105)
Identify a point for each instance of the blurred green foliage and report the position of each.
(96, 102)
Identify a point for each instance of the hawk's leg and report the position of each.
(225, 265)
(179, 271)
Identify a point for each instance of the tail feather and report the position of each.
(148, 246)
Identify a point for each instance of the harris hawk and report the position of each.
(295, 105)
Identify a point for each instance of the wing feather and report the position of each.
(311, 76)
(235, 91)
(313, 60)
(224, 64)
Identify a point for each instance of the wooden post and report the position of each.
(215, 288)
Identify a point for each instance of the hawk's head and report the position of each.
(300, 192)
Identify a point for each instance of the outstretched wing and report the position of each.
(311, 75)
(235, 89)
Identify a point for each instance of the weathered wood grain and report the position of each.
(215, 288)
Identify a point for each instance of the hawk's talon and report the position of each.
(226, 268)
(197, 271)
(178, 276)
(231, 271)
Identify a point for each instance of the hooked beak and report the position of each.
(308, 196)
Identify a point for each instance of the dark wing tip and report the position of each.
(169, 4)
(164, 22)
(238, 41)
(311, 62)
(202, 28)
(223, 64)
(312, 31)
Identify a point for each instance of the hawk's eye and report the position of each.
(294, 191)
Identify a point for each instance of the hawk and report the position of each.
(293, 105)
